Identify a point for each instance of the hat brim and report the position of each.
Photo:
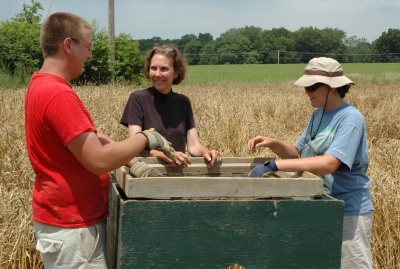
(333, 82)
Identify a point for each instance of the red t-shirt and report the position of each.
(65, 193)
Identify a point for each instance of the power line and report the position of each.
(51, 4)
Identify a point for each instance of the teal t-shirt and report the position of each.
(341, 134)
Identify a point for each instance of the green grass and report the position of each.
(375, 73)
(6, 81)
(360, 73)
(16, 81)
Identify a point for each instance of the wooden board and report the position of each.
(228, 166)
(225, 181)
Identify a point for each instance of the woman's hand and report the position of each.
(258, 141)
(212, 157)
(182, 160)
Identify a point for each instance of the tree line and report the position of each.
(254, 45)
(21, 53)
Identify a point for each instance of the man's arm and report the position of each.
(100, 154)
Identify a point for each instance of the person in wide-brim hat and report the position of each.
(333, 146)
(323, 70)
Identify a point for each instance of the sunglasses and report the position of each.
(166, 48)
(314, 87)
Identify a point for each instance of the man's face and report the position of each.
(82, 52)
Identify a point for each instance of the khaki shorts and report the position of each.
(356, 245)
(75, 248)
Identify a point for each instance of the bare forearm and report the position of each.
(120, 153)
(319, 165)
(283, 150)
(100, 154)
(197, 151)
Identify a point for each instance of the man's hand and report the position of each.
(264, 170)
(142, 169)
(158, 142)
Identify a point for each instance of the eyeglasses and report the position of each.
(89, 47)
(75, 40)
(314, 87)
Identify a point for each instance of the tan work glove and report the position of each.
(142, 169)
(158, 142)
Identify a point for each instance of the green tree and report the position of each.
(312, 42)
(19, 41)
(30, 14)
(308, 40)
(279, 46)
(192, 51)
(129, 61)
(21, 52)
(253, 34)
(388, 46)
(146, 44)
(358, 50)
(333, 43)
(205, 38)
(209, 55)
(267, 48)
(232, 47)
(97, 70)
(181, 43)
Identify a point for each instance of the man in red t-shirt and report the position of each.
(70, 158)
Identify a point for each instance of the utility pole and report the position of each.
(278, 56)
(111, 37)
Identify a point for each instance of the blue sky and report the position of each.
(174, 18)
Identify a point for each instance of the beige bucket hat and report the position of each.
(323, 70)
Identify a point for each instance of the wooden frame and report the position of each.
(227, 180)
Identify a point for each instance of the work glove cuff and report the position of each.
(141, 169)
(158, 142)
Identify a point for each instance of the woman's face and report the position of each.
(318, 97)
(162, 73)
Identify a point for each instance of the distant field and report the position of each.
(287, 73)
(360, 73)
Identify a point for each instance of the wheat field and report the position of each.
(227, 115)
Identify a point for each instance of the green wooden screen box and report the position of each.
(220, 218)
